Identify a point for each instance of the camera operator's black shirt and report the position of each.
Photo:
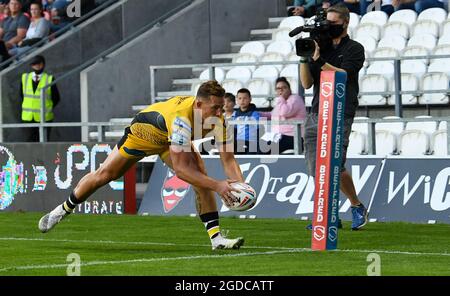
(349, 56)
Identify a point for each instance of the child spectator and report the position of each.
(228, 108)
(246, 135)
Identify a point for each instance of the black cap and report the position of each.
(37, 60)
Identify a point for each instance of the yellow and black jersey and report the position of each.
(167, 123)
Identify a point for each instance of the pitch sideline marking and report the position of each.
(92, 263)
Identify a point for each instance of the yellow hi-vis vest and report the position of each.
(31, 106)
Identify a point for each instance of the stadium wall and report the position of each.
(69, 51)
(191, 36)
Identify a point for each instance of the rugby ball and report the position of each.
(243, 200)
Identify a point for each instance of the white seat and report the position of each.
(245, 58)
(293, 81)
(368, 42)
(280, 46)
(414, 51)
(416, 67)
(444, 40)
(442, 50)
(409, 82)
(445, 28)
(232, 85)
(260, 90)
(292, 22)
(442, 126)
(435, 14)
(393, 127)
(374, 17)
(427, 40)
(309, 96)
(254, 47)
(385, 143)
(373, 83)
(282, 34)
(219, 74)
(195, 86)
(290, 71)
(243, 74)
(439, 65)
(426, 27)
(439, 143)
(407, 16)
(414, 143)
(393, 41)
(396, 28)
(361, 127)
(269, 57)
(357, 144)
(385, 68)
(435, 81)
(386, 52)
(270, 73)
(293, 57)
(428, 127)
(354, 20)
(368, 29)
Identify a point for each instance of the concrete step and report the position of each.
(168, 94)
(137, 108)
(261, 34)
(274, 22)
(185, 82)
(225, 57)
(236, 45)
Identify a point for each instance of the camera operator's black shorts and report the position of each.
(311, 142)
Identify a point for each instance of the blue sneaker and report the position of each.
(309, 227)
(359, 217)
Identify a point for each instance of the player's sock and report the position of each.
(70, 204)
(211, 221)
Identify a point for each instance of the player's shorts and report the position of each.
(140, 140)
(311, 142)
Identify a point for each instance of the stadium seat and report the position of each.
(414, 143)
(406, 16)
(439, 65)
(293, 57)
(260, 90)
(245, 58)
(369, 43)
(292, 22)
(243, 74)
(442, 126)
(416, 67)
(414, 51)
(444, 40)
(293, 81)
(393, 41)
(368, 29)
(445, 28)
(254, 47)
(373, 83)
(283, 47)
(232, 85)
(270, 73)
(439, 143)
(409, 82)
(427, 40)
(428, 127)
(385, 68)
(290, 71)
(435, 14)
(393, 127)
(385, 143)
(270, 57)
(435, 81)
(282, 34)
(309, 96)
(396, 28)
(357, 144)
(219, 74)
(354, 20)
(386, 52)
(442, 50)
(374, 17)
(426, 27)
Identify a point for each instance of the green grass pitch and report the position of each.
(146, 245)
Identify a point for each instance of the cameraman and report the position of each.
(340, 54)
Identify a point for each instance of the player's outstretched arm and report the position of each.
(230, 165)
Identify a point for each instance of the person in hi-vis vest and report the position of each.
(30, 89)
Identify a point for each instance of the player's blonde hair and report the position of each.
(210, 88)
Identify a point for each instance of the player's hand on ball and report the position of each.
(224, 189)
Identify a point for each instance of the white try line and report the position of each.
(145, 260)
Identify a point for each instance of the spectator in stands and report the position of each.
(4, 11)
(39, 28)
(417, 5)
(59, 16)
(228, 108)
(287, 106)
(246, 136)
(13, 29)
(305, 8)
(344, 55)
(30, 90)
(361, 6)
